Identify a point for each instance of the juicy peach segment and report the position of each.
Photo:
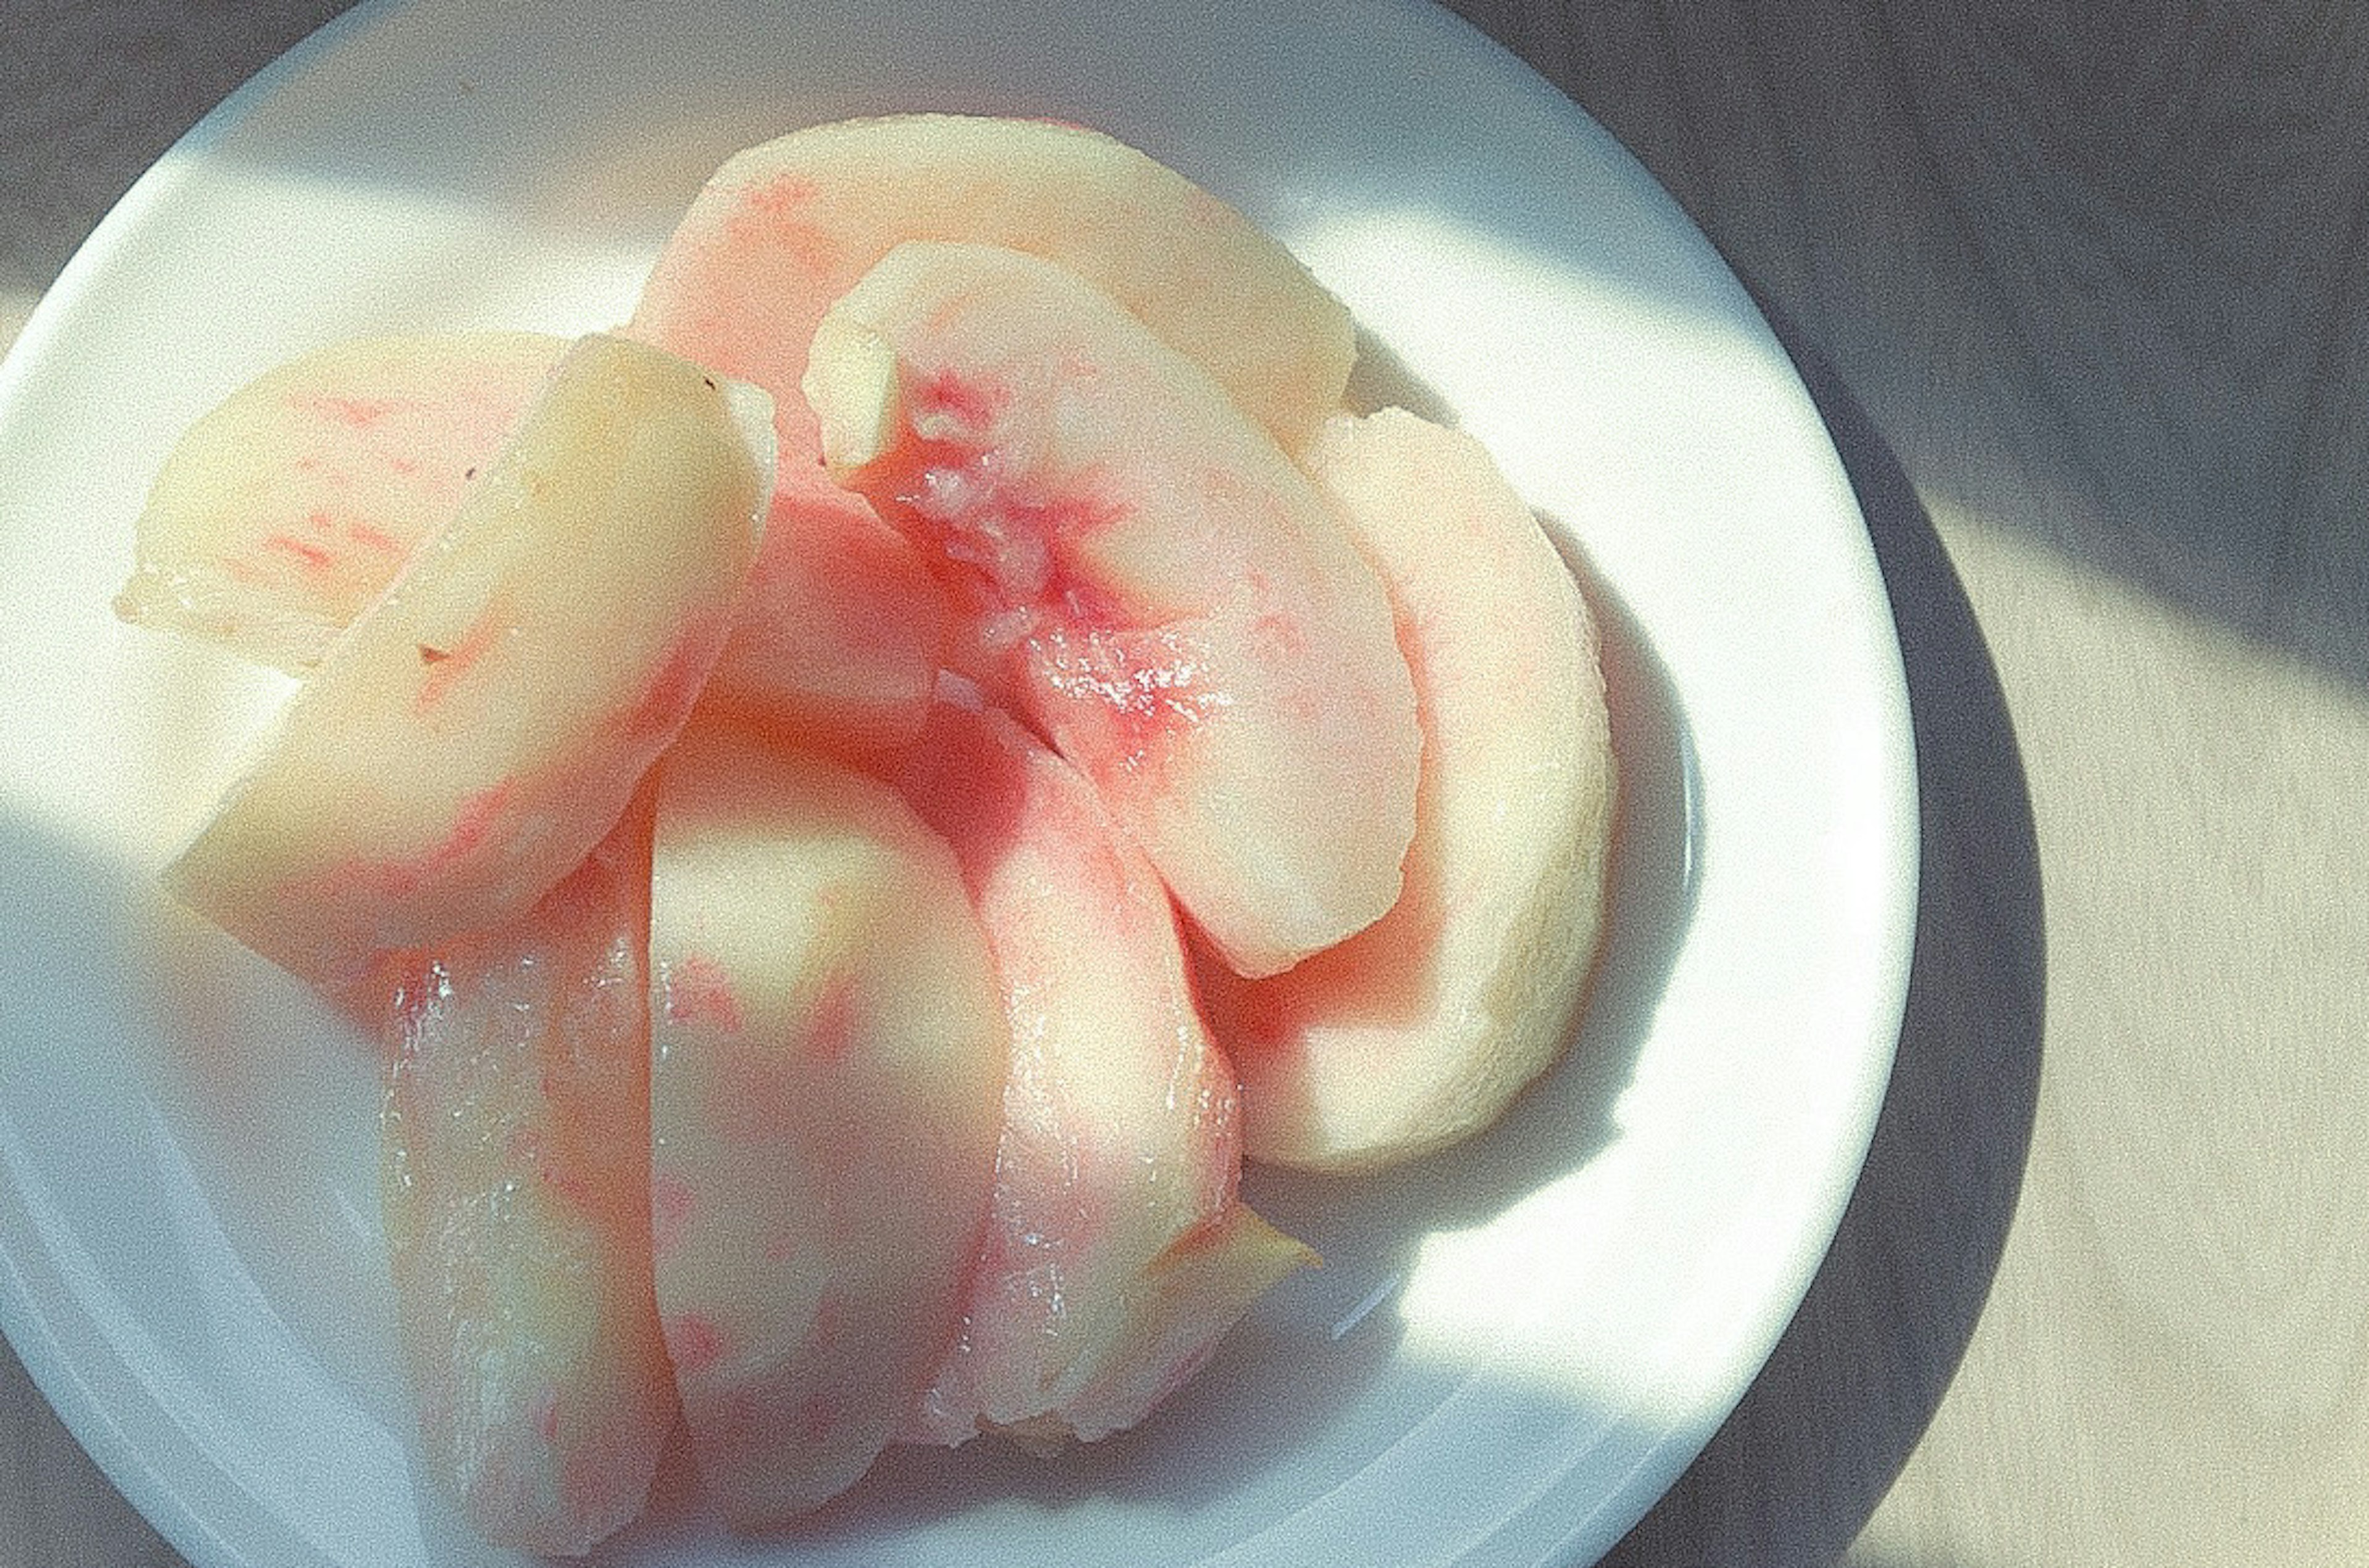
(829, 1048)
(285, 512)
(466, 744)
(839, 632)
(281, 514)
(1418, 1030)
(515, 1182)
(1118, 1252)
(784, 229)
(1146, 575)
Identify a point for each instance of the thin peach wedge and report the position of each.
(1143, 573)
(830, 1052)
(1418, 1031)
(466, 744)
(515, 1182)
(1117, 1252)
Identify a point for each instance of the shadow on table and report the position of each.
(1800, 1466)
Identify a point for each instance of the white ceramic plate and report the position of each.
(1513, 1350)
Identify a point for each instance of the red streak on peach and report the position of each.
(767, 216)
(360, 413)
(311, 556)
(694, 1340)
(377, 539)
(1002, 546)
(473, 826)
(699, 993)
(971, 403)
(781, 194)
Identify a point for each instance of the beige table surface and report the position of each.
(2080, 290)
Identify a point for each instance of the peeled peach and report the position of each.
(1419, 1030)
(465, 745)
(785, 228)
(1117, 1251)
(826, 1095)
(1144, 573)
(286, 510)
(515, 1182)
(282, 515)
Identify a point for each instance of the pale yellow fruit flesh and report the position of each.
(829, 1050)
(470, 739)
(284, 511)
(1417, 1032)
(515, 1180)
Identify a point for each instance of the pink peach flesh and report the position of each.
(1145, 575)
(1117, 1251)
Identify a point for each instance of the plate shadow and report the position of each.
(1802, 1462)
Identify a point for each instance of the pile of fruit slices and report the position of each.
(854, 801)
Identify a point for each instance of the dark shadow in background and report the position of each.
(1801, 1465)
(91, 94)
(2121, 318)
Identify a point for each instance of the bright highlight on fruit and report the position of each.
(853, 803)
(826, 1092)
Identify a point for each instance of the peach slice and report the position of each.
(515, 1184)
(1118, 1252)
(1145, 575)
(785, 228)
(283, 512)
(840, 629)
(466, 743)
(829, 1051)
(1419, 1030)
